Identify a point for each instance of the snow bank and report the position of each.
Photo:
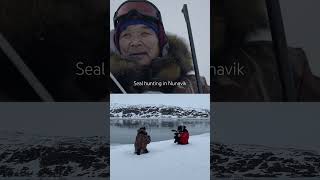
(165, 160)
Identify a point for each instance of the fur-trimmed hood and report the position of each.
(242, 17)
(142, 131)
(172, 66)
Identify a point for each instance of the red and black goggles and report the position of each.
(144, 8)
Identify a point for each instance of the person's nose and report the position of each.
(135, 41)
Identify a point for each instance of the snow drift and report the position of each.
(165, 160)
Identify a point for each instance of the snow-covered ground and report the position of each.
(165, 160)
(27, 156)
(250, 161)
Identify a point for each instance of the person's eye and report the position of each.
(125, 35)
(145, 33)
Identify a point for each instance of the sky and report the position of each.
(182, 100)
(174, 22)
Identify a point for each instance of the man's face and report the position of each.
(139, 43)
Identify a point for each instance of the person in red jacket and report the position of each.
(182, 135)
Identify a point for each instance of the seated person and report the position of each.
(181, 135)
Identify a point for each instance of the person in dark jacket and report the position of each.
(144, 58)
(176, 134)
(142, 140)
(245, 67)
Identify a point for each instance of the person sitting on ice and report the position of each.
(142, 140)
(181, 135)
(177, 134)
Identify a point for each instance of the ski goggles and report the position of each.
(144, 8)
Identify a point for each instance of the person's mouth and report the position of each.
(139, 54)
